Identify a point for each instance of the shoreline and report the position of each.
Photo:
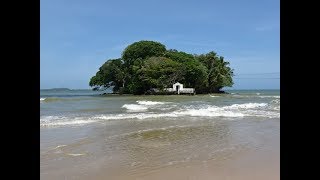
(162, 94)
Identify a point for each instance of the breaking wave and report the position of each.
(140, 112)
(52, 121)
(142, 105)
(246, 106)
(278, 97)
(135, 107)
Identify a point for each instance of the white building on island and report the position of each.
(178, 88)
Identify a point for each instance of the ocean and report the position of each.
(215, 136)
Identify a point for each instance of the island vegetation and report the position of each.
(146, 65)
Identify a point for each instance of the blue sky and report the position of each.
(78, 36)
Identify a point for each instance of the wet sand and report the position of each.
(247, 149)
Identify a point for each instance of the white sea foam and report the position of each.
(209, 112)
(42, 99)
(136, 116)
(235, 110)
(270, 110)
(275, 104)
(64, 123)
(276, 101)
(148, 103)
(276, 108)
(59, 146)
(142, 105)
(51, 121)
(263, 113)
(48, 119)
(245, 106)
(173, 106)
(135, 107)
(240, 96)
(278, 97)
(156, 115)
(116, 116)
(75, 154)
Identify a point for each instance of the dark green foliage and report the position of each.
(111, 73)
(219, 72)
(196, 75)
(178, 56)
(142, 50)
(147, 64)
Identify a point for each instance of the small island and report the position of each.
(147, 67)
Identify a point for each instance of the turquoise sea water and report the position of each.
(133, 136)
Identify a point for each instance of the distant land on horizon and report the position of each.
(58, 89)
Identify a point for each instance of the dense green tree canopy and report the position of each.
(147, 64)
(142, 50)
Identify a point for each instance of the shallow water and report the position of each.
(231, 136)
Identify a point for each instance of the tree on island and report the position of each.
(147, 64)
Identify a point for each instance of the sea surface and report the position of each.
(84, 135)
